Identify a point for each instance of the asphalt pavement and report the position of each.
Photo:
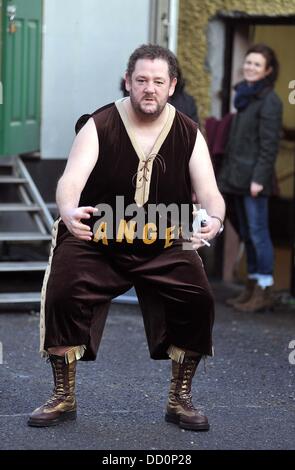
(247, 390)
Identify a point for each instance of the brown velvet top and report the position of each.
(115, 172)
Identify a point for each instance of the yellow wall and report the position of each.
(282, 40)
(194, 16)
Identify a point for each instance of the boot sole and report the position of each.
(41, 423)
(169, 418)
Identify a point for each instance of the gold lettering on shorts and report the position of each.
(149, 234)
(169, 235)
(126, 230)
(101, 234)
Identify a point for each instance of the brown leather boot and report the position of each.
(245, 295)
(261, 299)
(62, 405)
(180, 409)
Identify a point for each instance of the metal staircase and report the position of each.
(29, 210)
(30, 207)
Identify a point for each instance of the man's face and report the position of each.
(150, 87)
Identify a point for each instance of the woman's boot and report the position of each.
(180, 409)
(261, 299)
(245, 295)
(62, 405)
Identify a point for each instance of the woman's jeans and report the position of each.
(252, 214)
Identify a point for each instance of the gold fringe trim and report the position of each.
(44, 353)
(176, 354)
(74, 354)
(44, 287)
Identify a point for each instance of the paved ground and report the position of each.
(247, 391)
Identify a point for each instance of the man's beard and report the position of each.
(145, 112)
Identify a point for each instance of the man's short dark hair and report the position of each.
(152, 52)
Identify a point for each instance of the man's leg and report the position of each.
(61, 406)
(76, 296)
(183, 323)
(180, 409)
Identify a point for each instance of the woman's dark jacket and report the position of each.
(253, 145)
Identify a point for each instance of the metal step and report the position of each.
(20, 266)
(6, 162)
(30, 202)
(35, 297)
(20, 297)
(15, 207)
(23, 237)
(52, 206)
(12, 179)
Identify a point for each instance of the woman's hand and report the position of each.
(72, 219)
(255, 189)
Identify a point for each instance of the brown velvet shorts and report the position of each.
(173, 291)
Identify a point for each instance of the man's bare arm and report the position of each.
(204, 185)
(82, 159)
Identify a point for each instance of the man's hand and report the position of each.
(72, 219)
(255, 189)
(206, 233)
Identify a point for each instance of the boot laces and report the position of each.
(186, 398)
(52, 401)
(185, 392)
(59, 392)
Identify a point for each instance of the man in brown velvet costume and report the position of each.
(137, 153)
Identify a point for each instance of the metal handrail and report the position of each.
(20, 166)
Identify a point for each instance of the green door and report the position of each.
(20, 72)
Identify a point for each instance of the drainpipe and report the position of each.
(173, 25)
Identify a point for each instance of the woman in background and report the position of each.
(248, 170)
